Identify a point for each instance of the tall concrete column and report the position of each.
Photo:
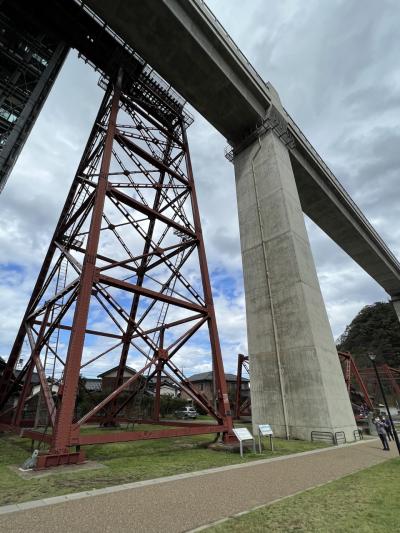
(396, 304)
(297, 383)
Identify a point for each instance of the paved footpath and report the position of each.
(184, 502)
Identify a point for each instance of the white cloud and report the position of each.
(336, 68)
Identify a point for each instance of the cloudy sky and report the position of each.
(335, 65)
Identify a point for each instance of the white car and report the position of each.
(186, 412)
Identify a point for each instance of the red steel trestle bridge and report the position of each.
(125, 279)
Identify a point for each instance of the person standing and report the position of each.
(380, 428)
(388, 428)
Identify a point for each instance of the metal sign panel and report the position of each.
(265, 430)
(243, 434)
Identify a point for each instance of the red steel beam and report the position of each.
(218, 367)
(393, 383)
(113, 395)
(148, 211)
(65, 414)
(148, 293)
(127, 436)
(150, 159)
(351, 368)
(361, 384)
(35, 435)
(88, 331)
(238, 385)
(173, 423)
(6, 378)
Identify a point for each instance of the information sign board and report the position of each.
(265, 430)
(243, 434)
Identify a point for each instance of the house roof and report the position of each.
(127, 369)
(35, 377)
(208, 376)
(168, 383)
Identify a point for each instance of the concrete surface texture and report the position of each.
(396, 305)
(182, 503)
(296, 378)
(202, 62)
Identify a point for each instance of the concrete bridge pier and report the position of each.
(297, 383)
(396, 304)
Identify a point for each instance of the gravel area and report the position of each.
(189, 501)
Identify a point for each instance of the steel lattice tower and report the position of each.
(125, 277)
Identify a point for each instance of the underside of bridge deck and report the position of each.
(203, 63)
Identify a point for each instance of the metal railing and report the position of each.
(322, 436)
(340, 438)
(342, 191)
(221, 31)
(358, 434)
(148, 72)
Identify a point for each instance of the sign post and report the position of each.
(243, 434)
(265, 430)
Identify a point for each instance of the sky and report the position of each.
(335, 65)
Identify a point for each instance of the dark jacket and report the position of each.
(380, 428)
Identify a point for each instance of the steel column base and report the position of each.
(54, 459)
(229, 438)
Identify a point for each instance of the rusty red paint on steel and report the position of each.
(127, 436)
(134, 288)
(62, 429)
(352, 370)
(7, 375)
(151, 148)
(241, 408)
(392, 380)
(218, 369)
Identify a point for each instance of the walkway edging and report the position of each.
(45, 502)
(277, 500)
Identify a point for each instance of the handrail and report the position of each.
(358, 434)
(339, 187)
(148, 71)
(206, 11)
(212, 19)
(322, 436)
(340, 436)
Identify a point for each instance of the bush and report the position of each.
(169, 404)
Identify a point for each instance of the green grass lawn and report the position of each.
(124, 463)
(365, 502)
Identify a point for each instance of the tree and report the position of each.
(375, 329)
